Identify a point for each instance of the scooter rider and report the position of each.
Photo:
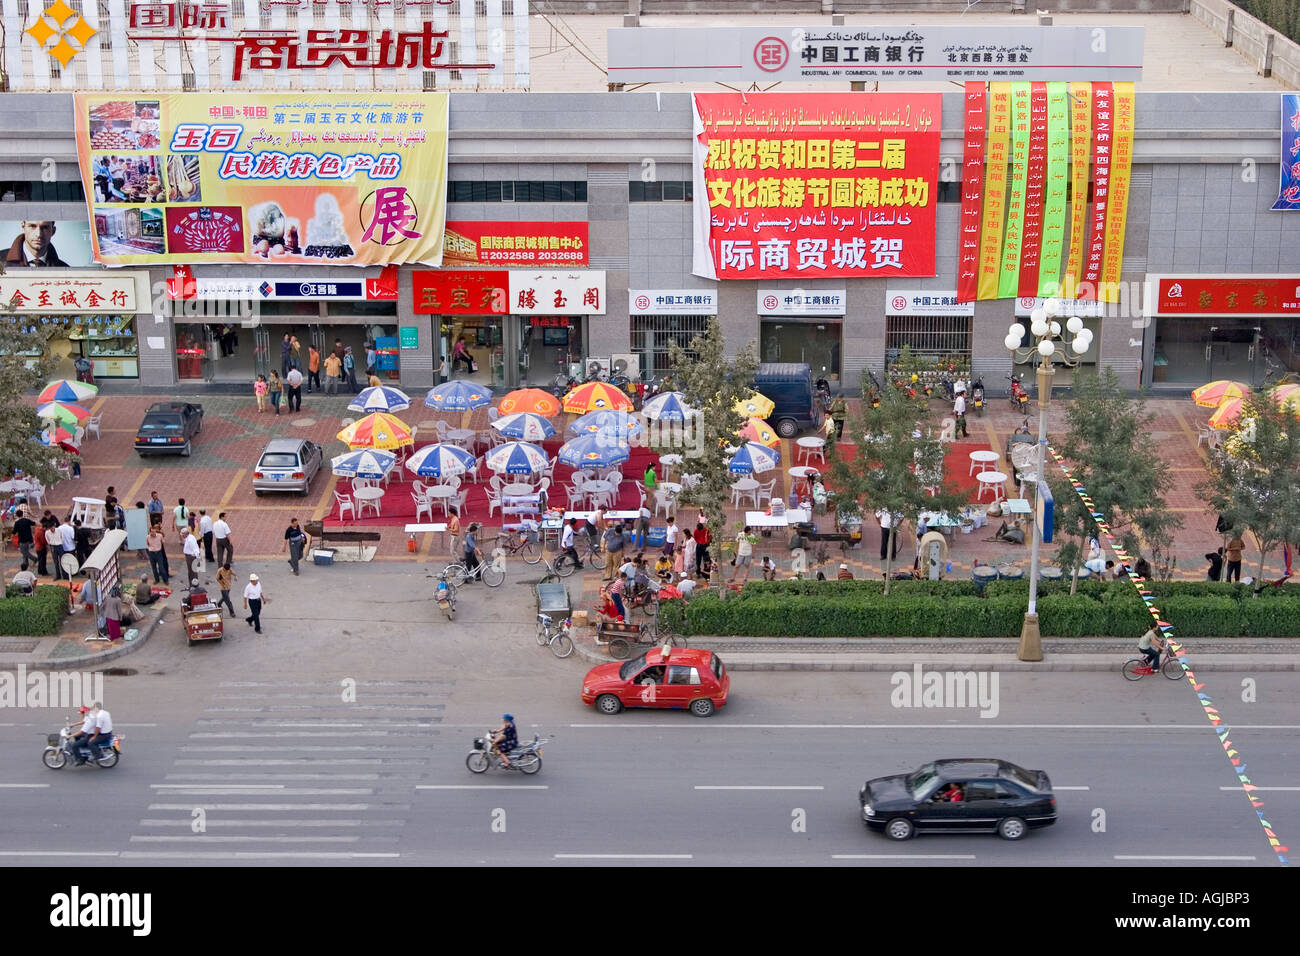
(505, 739)
(103, 733)
(85, 729)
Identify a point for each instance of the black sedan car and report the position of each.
(959, 796)
(169, 427)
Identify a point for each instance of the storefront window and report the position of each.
(107, 340)
(194, 345)
(653, 334)
(814, 343)
(550, 352)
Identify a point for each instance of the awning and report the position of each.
(107, 548)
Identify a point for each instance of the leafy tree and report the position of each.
(1124, 477)
(1281, 15)
(890, 468)
(1255, 482)
(18, 421)
(713, 384)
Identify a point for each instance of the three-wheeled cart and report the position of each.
(203, 620)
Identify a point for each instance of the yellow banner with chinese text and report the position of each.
(1080, 167)
(1121, 161)
(995, 189)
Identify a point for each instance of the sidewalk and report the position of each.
(68, 650)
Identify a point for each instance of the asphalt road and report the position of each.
(248, 752)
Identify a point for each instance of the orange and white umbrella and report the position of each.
(759, 431)
(531, 400)
(1213, 394)
(1227, 414)
(379, 430)
(1288, 394)
(596, 397)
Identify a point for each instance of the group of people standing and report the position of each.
(338, 364)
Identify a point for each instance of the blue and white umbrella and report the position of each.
(668, 407)
(440, 461)
(458, 396)
(517, 458)
(753, 459)
(524, 426)
(600, 450)
(363, 463)
(380, 398)
(617, 423)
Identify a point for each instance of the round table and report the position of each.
(994, 481)
(810, 445)
(460, 435)
(368, 494)
(978, 459)
(672, 487)
(746, 487)
(800, 474)
(440, 493)
(669, 462)
(598, 486)
(518, 489)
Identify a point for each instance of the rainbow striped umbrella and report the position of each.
(63, 412)
(66, 390)
(596, 397)
(1213, 394)
(377, 431)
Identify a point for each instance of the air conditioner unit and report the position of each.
(630, 365)
(596, 368)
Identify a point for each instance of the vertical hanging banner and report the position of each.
(791, 185)
(1102, 142)
(1121, 160)
(995, 189)
(968, 254)
(1080, 163)
(1058, 175)
(1035, 190)
(1288, 190)
(1013, 242)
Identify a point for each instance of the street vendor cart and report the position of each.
(202, 618)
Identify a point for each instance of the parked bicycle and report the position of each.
(491, 572)
(1139, 667)
(557, 638)
(520, 543)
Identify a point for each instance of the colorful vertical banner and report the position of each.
(1288, 190)
(1035, 191)
(1058, 177)
(1013, 242)
(1080, 159)
(968, 254)
(1121, 162)
(1103, 141)
(995, 189)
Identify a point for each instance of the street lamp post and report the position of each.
(1045, 334)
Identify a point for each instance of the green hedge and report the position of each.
(38, 615)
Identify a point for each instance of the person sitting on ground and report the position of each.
(686, 584)
(25, 582)
(664, 568)
(144, 595)
(768, 567)
(1142, 569)
(612, 595)
(845, 574)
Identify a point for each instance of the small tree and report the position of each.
(713, 384)
(18, 422)
(1255, 483)
(1124, 477)
(891, 466)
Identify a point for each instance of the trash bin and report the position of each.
(982, 575)
(1009, 572)
(1049, 572)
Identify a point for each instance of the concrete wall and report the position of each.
(1271, 52)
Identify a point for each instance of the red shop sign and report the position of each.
(555, 244)
(1228, 295)
(549, 321)
(461, 292)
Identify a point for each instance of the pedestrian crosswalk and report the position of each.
(299, 771)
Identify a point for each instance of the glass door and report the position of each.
(262, 351)
(1232, 351)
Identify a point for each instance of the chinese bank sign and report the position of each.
(775, 54)
(325, 179)
(792, 185)
(245, 44)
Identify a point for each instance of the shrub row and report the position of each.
(36, 616)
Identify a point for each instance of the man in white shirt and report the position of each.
(221, 533)
(886, 522)
(959, 409)
(191, 551)
(293, 386)
(686, 585)
(103, 732)
(744, 554)
(205, 531)
(68, 540)
(567, 546)
(253, 602)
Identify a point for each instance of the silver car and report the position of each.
(287, 464)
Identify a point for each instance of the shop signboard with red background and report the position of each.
(1224, 295)
(551, 244)
(461, 292)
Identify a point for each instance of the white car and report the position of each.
(287, 464)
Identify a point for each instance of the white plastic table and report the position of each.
(810, 446)
(597, 487)
(519, 488)
(413, 529)
(622, 515)
(672, 487)
(460, 435)
(800, 474)
(669, 462)
(369, 494)
(89, 510)
(757, 519)
(979, 459)
(991, 481)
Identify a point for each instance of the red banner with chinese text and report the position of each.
(474, 243)
(792, 185)
(968, 253)
(464, 292)
(1035, 190)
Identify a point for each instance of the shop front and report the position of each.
(803, 325)
(231, 330)
(661, 318)
(90, 314)
(934, 327)
(1245, 328)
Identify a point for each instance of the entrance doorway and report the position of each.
(550, 350)
(1197, 350)
(816, 343)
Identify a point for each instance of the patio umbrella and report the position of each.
(377, 430)
(617, 423)
(380, 398)
(58, 435)
(440, 461)
(366, 463)
(1213, 394)
(1286, 394)
(527, 426)
(62, 412)
(1226, 415)
(596, 396)
(517, 458)
(753, 459)
(759, 431)
(66, 390)
(668, 407)
(754, 406)
(599, 450)
(532, 400)
(458, 396)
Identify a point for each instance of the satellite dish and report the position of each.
(70, 564)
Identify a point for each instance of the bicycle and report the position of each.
(558, 639)
(1138, 668)
(515, 543)
(561, 566)
(489, 572)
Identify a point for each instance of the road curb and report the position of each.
(89, 660)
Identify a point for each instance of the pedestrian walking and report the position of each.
(959, 409)
(839, 413)
(372, 358)
(260, 388)
(1232, 552)
(350, 369)
(225, 579)
(744, 554)
(313, 368)
(293, 385)
(154, 507)
(333, 368)
(702, 537)
(253, 600)
(453, 529)
(23, 528)
(155, 547)
(295, 353)
(221, 536)
(205, 532)
(180, 517)
(275, 387)
(296, 540)
(190, 549)
(286, 350)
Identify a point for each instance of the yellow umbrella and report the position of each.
(759, 431)
(1226, 415)
(755, 406)
(596, 397)
(379, 430)
(1213, 394)
(1286, 394)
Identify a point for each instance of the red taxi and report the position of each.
(675, 677)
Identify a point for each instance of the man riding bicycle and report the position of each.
(505, 739)
(1151, 645)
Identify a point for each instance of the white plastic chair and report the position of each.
(418, 487)
(493, 499)
(93, 423)
(764, 493)
(665, 502)
(422, 505)
(493, 414)
(345, 503)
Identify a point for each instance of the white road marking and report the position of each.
(624, 856)
(22, 786)
(244, 839)
(1271, 789)
(220, 791)
(481, 786)
(1183, 857)
(986, 725)
(288, 762)
(760, 788)
(58, 853)
(1055, 787)
(247, 734)
(277, 823)
(263, 775)
(223, 786)
(188, 807)
(253, 855)
(902, 856)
